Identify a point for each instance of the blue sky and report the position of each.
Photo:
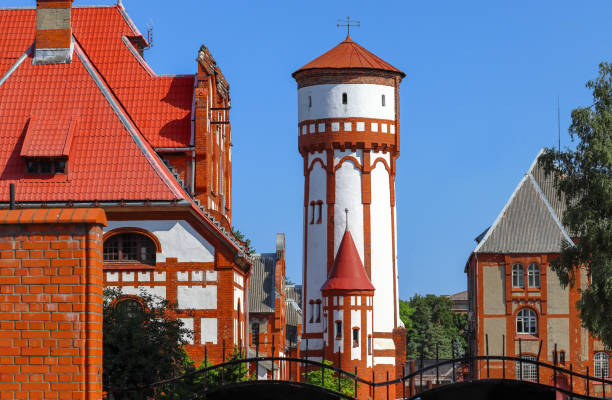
(477, 104)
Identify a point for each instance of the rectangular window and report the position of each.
(355, 337)
(320, 209)
(370, 345)
(338, 329)
(318, 308)
(344, 98)
(383, 100)
(309, 101)
(312, 213)
(311, 312)
(255, 333)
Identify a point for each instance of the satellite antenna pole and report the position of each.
(558, 123)
(348, 23)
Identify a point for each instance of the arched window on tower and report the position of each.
(518, 276)
(533, 276)
(526, 322)
(344, 98)
(129, 247)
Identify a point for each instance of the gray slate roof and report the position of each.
(529, 222)
(293, 300)
(294, 292)
(261, 288)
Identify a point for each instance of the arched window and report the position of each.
(602, 365)
(526, 371)
(533, 275)
(130, 306)
(518, 276)
(383, 100)
(355, 337)
(526, 322)
(129, 247)
(344, 98)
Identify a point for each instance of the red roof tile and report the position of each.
(159, 104)
(349, 54)
(348, 272)
(107, 161)
(48, 136)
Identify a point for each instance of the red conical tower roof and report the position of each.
(349, 54)
(348, 272)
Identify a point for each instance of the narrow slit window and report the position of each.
(320, 209)
(312, 213)
(318, 313)
(383, 100)
(309, 102)
(355, 337)
(338, 329)
(344, 98)
(370, 345)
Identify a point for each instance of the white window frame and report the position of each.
(528, 320)
(533, 276)
(518, 276)
(601, 365)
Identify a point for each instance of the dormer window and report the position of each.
(344, 98)
(45, 166)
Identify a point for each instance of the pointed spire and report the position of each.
(346, 211)
(348, 272)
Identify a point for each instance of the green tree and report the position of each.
(430, 322)
(242, 237)
(583, 177)
(330, 381)
(143, 343)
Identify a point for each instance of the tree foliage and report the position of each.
(242, 237)
(430, 321)
(584, 178)
(143, 343)
(329, 380)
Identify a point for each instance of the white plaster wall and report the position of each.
(384, 360)
(238, 299)
(197, 297)
(316, 245)
(208, 328)
(320, 155)
(137, 290)
(188, 324)
(363, 100)
(375, 155)
(313, 344)
(339, 343)
(339, 154)
(177, 238)
(382, 250)
(238, 279)
(348, 195)
(356, 323)
(383, 344)
(397, 311)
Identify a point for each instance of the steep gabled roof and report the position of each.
(109, 159)
(528, 223)
(160, 105)
(349, 54)
(348, 272)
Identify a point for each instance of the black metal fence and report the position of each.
(305, 371)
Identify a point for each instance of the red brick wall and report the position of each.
(51, 303)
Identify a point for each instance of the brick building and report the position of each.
(514, 294)
(86, 123)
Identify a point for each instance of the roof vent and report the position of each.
(53, 32)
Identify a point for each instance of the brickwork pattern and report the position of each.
(50, 305)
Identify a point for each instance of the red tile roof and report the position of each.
(348, 272)
(349, 54)
(48, 136)
(159, 104)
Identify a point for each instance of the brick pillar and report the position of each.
(51, 303)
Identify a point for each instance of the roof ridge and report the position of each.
(129, 125)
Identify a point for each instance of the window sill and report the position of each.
(526, 337)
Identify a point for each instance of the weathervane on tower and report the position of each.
(348, 23)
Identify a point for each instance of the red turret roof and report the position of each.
(349, 54)
(348, 272)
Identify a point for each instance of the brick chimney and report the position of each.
(53, 32)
